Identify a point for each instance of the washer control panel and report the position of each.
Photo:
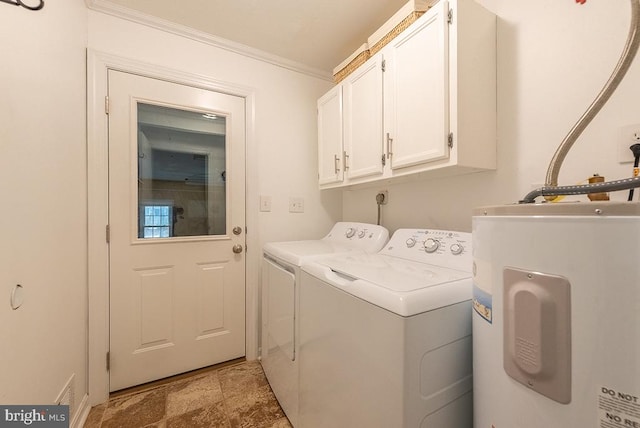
(444, 248)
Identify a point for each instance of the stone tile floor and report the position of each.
(231, 396)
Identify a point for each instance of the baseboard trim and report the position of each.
(82, 413)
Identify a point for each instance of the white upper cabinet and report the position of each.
(363, 129)
(425, 104)
(416, 89)
(330, 169)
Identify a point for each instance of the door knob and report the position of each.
(237, 230)
(237, 248)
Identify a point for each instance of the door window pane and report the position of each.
(181, 173)
(156, 215)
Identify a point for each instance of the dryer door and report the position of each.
(279, 355)
(279, 310)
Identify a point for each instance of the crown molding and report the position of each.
(104, 6)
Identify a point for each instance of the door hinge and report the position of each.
(450, 16)
(383, 65)
(384, 160)
(107, 233)
(450, 140)
(108, 361)
(106, 105)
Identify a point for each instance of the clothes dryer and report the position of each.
(280, 304)
(386, 337)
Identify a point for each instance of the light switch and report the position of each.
(265, 203)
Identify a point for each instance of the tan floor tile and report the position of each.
(281, 423)
(137, 410)
(255, 408)
(95, 416)
(211, 416)
(159, 424)
(235, 396)
(237, 380)
(186, 395)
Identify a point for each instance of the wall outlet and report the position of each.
(627, 136)
(385, 197)
(296, 205)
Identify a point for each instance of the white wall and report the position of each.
(43, 233)
(553, 59)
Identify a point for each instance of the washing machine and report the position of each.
(556, 322)
(280, 304)
(385, 339)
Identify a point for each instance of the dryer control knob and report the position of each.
(350, 232)
(431, 245)
(456, 249)
(362, 233)
(411, 242)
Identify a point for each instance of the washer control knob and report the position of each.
(362, 233)
(350, 232)
(431, 245)
(456, 249)
(411, 242)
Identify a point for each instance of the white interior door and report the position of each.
(177, 221)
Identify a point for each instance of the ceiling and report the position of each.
(316, 34)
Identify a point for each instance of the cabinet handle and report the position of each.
(345, 156)
(389, 146)
(336, 164)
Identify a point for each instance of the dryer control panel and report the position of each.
(446, 248)
(363, 236)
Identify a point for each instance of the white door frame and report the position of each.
(98, 64)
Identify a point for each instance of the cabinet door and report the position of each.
(330, 137)
(417, 91)
(363, 120)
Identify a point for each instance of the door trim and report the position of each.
(98, 64)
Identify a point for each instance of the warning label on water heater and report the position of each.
(618, 409)
(483, 304)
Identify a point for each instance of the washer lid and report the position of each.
(294, 252)
(404, 287)
(392, 273)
